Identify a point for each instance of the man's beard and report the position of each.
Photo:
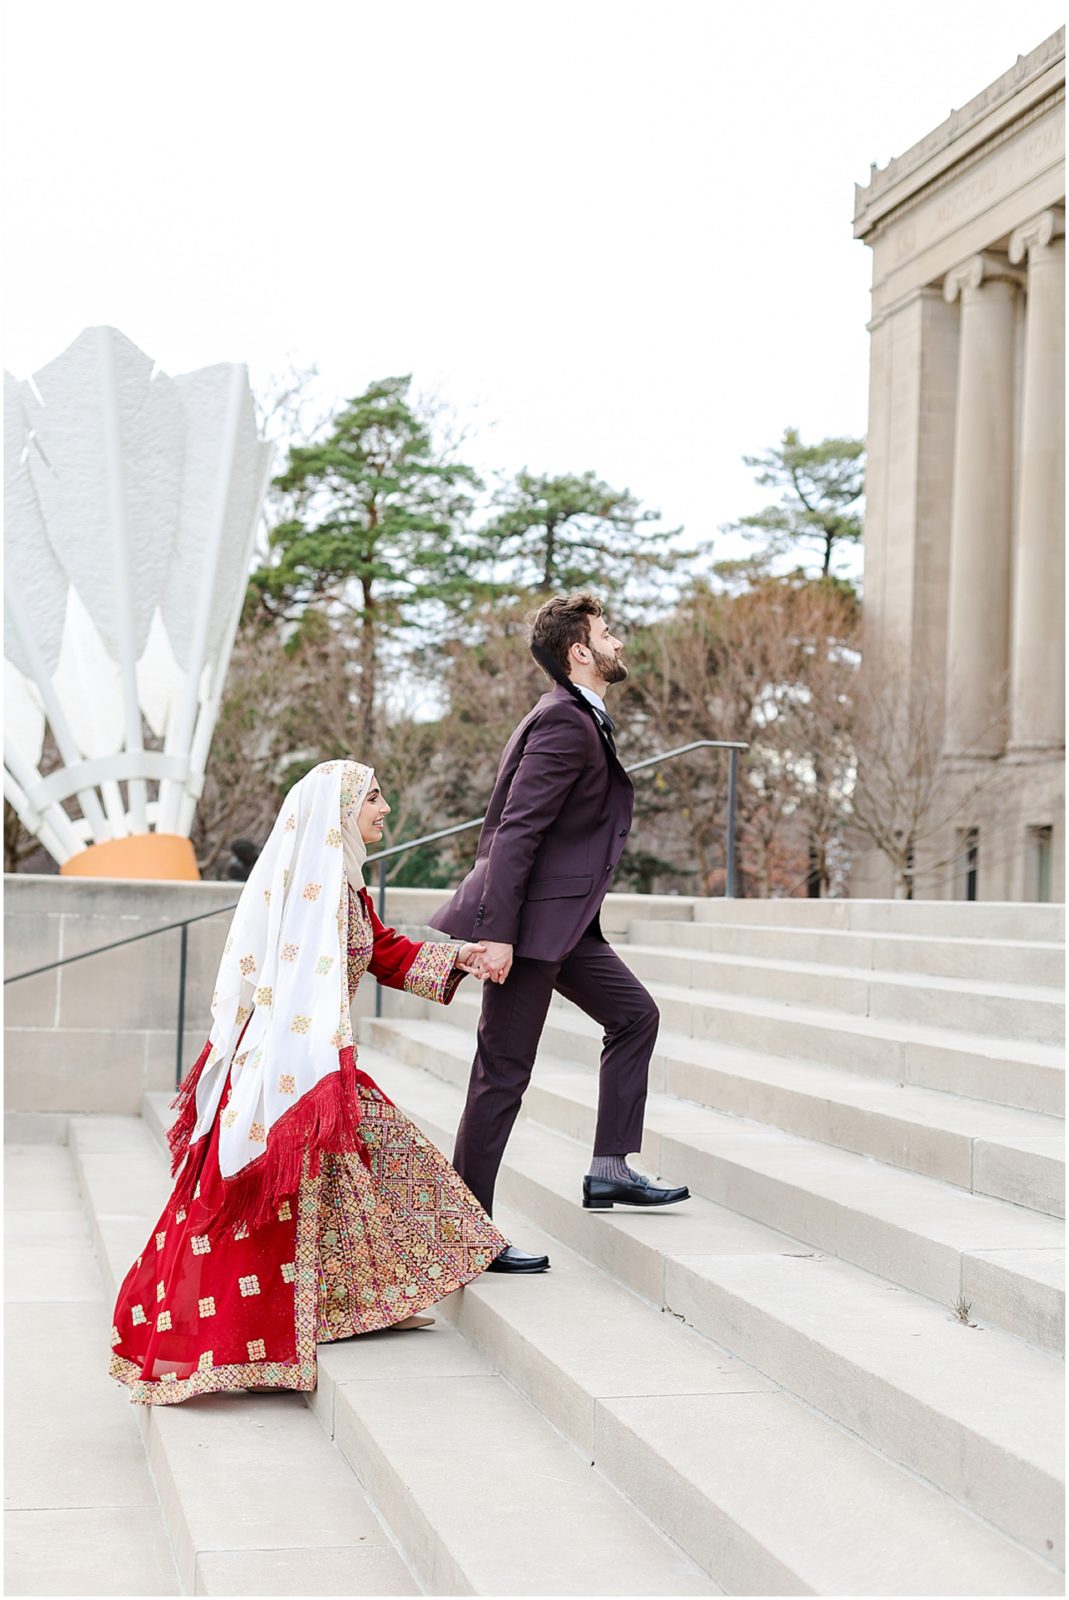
(610, 668)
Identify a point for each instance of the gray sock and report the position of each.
(616, 1169)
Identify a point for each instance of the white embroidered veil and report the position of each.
(281, 1028)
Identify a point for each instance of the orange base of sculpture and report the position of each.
(141, 855)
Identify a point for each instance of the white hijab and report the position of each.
(284, 968)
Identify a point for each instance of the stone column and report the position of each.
(981, 518)
(1037, 666)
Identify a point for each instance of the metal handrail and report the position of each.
(382, 856)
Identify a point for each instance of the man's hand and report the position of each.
(471, 958)
(497, 962)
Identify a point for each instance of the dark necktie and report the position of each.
(607, 726)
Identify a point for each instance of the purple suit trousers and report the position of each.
(555, 827)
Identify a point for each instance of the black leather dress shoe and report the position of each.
(601, 1194)
(513, 1260)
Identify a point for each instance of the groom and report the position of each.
(552, 837)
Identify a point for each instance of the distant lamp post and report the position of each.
(131, 503)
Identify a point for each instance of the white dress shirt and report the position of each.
(595, 699)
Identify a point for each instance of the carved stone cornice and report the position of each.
(886, 211)
(1037, 233)
(982, 268)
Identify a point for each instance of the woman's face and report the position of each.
(373, 813)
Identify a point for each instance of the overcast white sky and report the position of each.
(614, 235)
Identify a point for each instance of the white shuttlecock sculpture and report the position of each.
(131, 507)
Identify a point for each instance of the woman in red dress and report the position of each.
(306, 1207)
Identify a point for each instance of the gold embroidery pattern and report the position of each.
(394, 1240)
(371, 1248)
(352, 779)
(361, 943)
(433, 974)
(170, 1391)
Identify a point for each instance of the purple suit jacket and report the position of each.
(556, 825)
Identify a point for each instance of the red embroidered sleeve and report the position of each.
(425, 968)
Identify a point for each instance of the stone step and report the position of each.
(981, 1079)
(996, 1072)
(255, 1499)
(1005, 1011)
(1030, 1077)
(1019, 961)
(908, 1538)
(974, 1412)
(994, 1150)
(77, 1488)
(946, 919)
(410, 908)
(482, 1492)
(405, 1412)
(911, 1229)
(942, 919)
(607, 1370)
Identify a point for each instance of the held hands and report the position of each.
(469, 958)
(485, 960)
(497, 962)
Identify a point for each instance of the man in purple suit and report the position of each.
(553, 834)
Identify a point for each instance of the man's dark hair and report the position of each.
(562, 622)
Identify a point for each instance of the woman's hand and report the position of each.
(469, 958)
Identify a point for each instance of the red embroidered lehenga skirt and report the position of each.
(357, 1248)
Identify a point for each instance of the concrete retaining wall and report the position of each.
(93, 1035)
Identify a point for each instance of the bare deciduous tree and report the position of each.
(770, 666)
(907, 799)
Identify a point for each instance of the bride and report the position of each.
(306, 1207)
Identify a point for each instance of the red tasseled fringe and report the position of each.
(185, 1103)
(324, 1121)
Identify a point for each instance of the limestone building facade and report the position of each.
(964, 577)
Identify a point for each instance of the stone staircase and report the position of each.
(836, 1370)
